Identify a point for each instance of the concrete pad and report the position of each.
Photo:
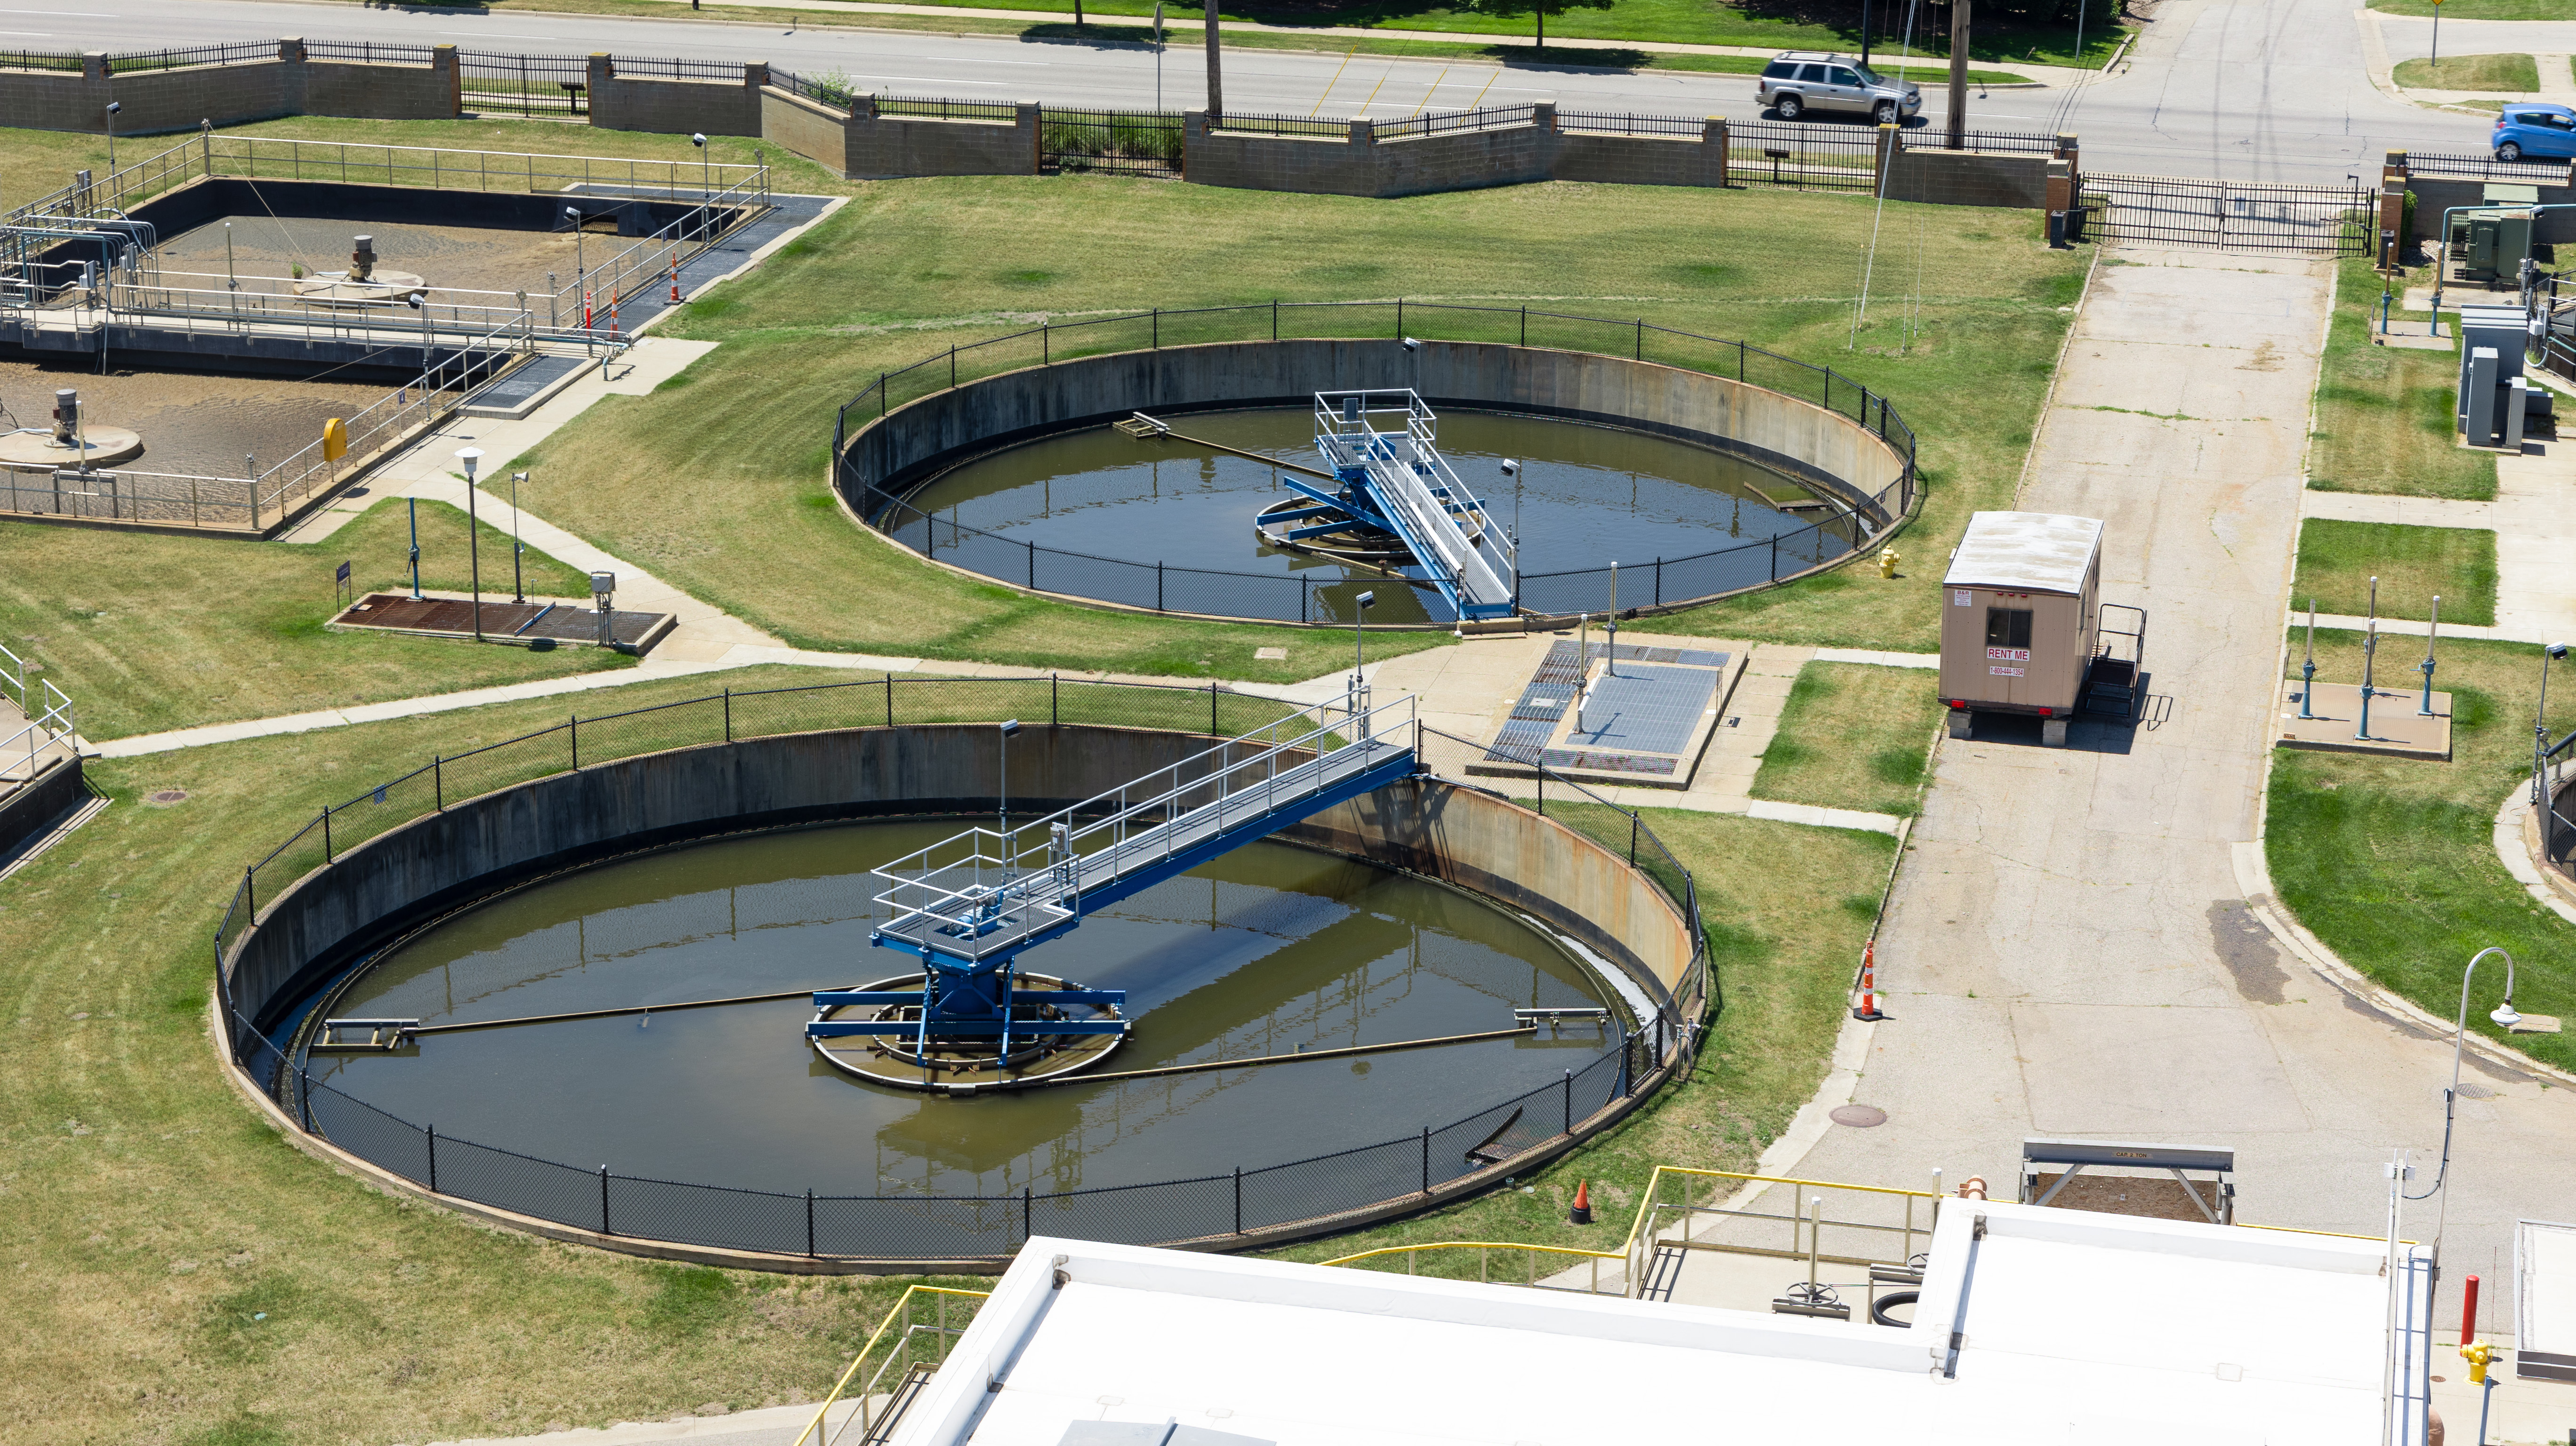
(2151, 1073)
(2397, 730)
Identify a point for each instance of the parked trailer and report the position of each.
(2021, 625)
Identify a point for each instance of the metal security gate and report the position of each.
(497, 84)
(1127, 142)
(2174, 210)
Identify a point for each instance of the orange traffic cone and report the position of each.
(1868, 1009)
(1582, 1213)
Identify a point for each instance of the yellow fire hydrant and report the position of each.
(1887, 562)
(2478, 1356)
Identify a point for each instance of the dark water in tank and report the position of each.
(1268, 948)
(1585, 497)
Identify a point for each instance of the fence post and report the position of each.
(1569, 1102)
(1632, 840)
(1211, 709)
(889, 700)
(1399, 318)
(809, 1222)
(1739, 361)
(728, 707)
(304, 1097)
(603, 1202)
(1274, 318)
(1524, 326)
(1238, 1199)
(881, 396)
(1426, 1159)
(1033, 567)
(432, 1132)
(952, 368)
(1641, 338)
(438, 782)
(1158, 327)
(326, 835)
(1028, 1213)
(576, 743)
(1627, 1052)
(1158, 586)
(1775, 557)
(1046, 345)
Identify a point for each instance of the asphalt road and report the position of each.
(2245, 92)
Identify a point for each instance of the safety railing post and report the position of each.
(326, 836)
(438, 782)
(1569, 1102)
(728, 713)
(304, 1097)
(603, 1202)
(430, 1132)
(1426, 1159)
(1238, 1199)
(1028, 1215)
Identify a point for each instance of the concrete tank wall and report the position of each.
(925, 436)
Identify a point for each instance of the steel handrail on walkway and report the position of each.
(1648, 1232)
(941, 1333)
(1484, 1260)
(1424, 501)
(973, 905)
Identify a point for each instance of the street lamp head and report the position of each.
(472, 457)
(1366, 601)
(1412, 344)
(518, 476)
(114, 106)
(2558, 650)
(698, 139)
(1010, 727)
(1511, 468)
(2506, 1015)
(575, 213)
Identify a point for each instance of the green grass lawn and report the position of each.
(1784, 945)
(1692, 22)
(2384, 420)
(2518, 73)
(148, 632)
(2392, 862)
(906, 269)
(1853, 736)
(2481, 9)
(2337, 560)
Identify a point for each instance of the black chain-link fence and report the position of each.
(1669, 583)
(926, 1227)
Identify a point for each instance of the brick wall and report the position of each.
(677, 107)
(817, 132)
(179, 100)
(1362, 163)
(1969, 178)
(886, 146)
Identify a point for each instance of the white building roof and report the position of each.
(2035, 1324)
(2025, 552)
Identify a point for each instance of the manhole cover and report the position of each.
(1862, 1116)
(167, 796)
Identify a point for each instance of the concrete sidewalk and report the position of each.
(2535, 530)
(2082, 941)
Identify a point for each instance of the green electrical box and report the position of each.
(2490, 245)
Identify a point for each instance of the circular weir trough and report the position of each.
(1190, 479)
(585, 1006)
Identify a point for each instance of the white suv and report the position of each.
(1797, 81)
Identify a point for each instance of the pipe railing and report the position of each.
(898, 1332)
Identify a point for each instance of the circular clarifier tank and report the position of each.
(1270, 950)
(1582, 497)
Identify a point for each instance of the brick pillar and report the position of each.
(1712, 132)
(1030, 117)
(755, 74)
(1884, 164)
(443, 58)
(1543, 115)
(94, 66)
(863, 108)
(292, 54)
(1363, 131)
(2393, 177)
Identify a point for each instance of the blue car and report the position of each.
(2530, 132)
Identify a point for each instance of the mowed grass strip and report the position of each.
(2392, 862)
(147, 632)
(1786, 910)
(909, 268)
(1855, 736)
(2516, 73)
(2384, 414)
(2338, 559)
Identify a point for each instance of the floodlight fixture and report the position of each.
(1412, 344)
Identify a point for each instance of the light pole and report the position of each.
(580, 272)
(472, 457)
(1610, 659)
(706, 187)
(2425, 710)
(1512, 470)
(2540, 723)
(112, 108)
(1158, 54)
(2369, 655)
(2308, 669)
(518, 588)
(412, 504)
(1009, 855)
(2503, 1014)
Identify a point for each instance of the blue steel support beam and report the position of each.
(860, 998)
(911, 1029)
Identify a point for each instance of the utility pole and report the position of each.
(1216, 77)
(1864, 36)
(1958, 75)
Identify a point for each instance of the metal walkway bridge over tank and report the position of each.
(1397, 482)
(968, 906)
